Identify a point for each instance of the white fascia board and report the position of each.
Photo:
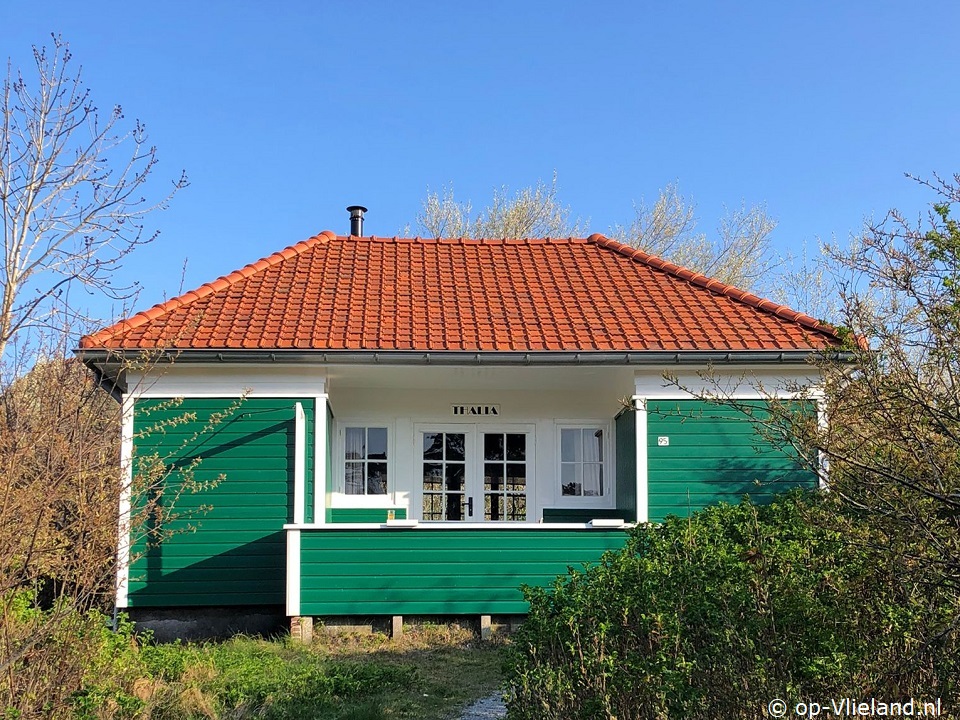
(736, 383)
(226, 380)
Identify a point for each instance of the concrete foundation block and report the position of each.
(485, 631)
(396, 626)
(301, 629)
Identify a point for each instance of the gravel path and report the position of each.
(491, 707)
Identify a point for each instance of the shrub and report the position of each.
(716, 615)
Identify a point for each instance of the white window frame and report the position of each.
(609, 465)
(339, 497)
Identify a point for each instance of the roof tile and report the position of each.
(335, 292)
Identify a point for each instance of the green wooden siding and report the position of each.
(582, 515)
(236, 553)
(626, 434)
(437, 572)
(714, 455)
(363, 515)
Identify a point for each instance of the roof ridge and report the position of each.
(100, 337)
(463, 240)
(764, 305)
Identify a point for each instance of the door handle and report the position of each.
(470, 507)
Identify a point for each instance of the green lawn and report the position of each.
(429, 673)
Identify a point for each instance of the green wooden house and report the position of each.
(404, 426)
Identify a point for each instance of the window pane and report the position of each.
(455, 443)
(455, 509)
(432, 507)
(516, 507)
(376, 478)
(354, 442)
(569, 445)
(592, 479)
(432, 476)
(454, 476)
(493, 476)
(516, 476)
(570, 481)
(377, 443)
(493, 446)
(491, 507)
(433, 446)
(516, 446)
(353, 478)
(592, 445)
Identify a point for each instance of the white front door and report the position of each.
(475, 474)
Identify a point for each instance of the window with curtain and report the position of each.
(365, 461)
(581, 462)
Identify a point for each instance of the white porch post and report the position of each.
(299, 464)
(320, 460)
(643, 498)
(823, 460)
(293, 573)
(126, 491)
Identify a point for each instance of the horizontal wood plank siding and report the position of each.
(437, 572)
(364, 515)
(228, 546)
(582, 515)
(715, 454)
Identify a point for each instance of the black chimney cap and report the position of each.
(356, 219)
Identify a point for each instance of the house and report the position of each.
(410, 426)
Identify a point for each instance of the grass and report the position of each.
(430, 673)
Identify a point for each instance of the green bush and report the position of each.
(716, 615)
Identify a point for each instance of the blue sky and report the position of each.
(284, 113)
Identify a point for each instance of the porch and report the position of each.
(404, 567)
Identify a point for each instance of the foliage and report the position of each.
(531, 212)
(741, 254)
(60, 480)
(893, 441)
(107, 674)
(716, 615)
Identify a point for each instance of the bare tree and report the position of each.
(443, 216)
(531, 212)
(808, 282)
(740, 255)
(72, 190)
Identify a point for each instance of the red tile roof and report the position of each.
(369, 293)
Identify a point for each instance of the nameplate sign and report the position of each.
(476, 410)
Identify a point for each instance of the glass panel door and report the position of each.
(504, 476)
(474, 476)
(444, 476)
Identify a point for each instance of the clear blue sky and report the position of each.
(283, 113)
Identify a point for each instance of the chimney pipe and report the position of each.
(356, 219)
